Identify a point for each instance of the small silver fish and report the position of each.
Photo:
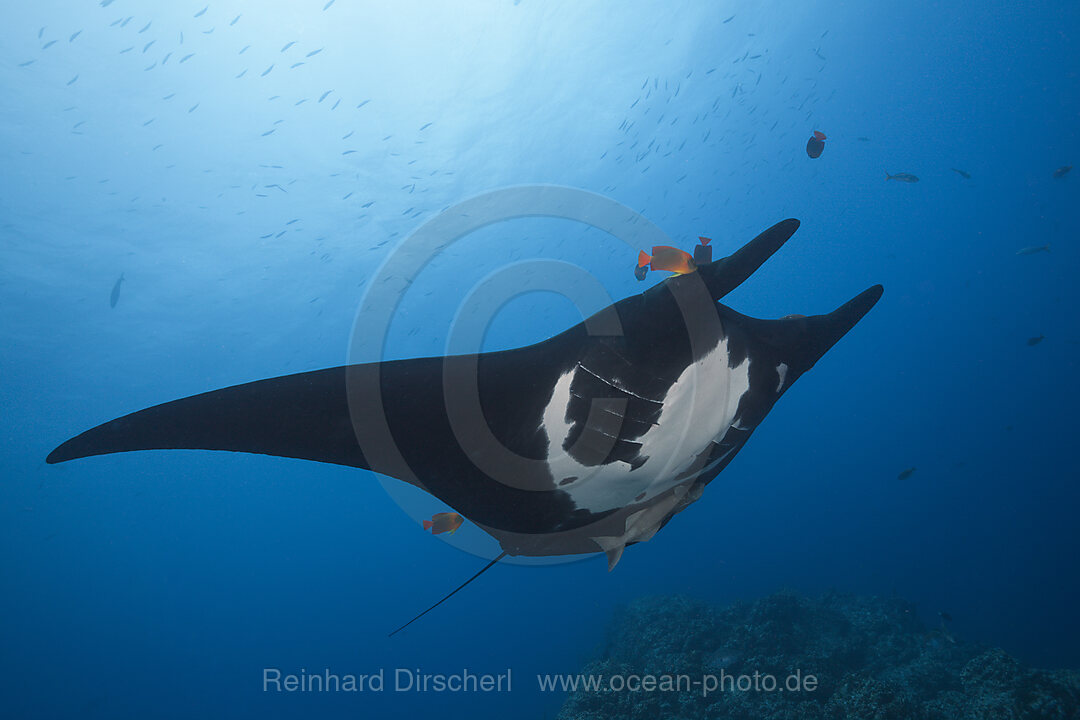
(1033, 249)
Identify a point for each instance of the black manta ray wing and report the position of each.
(307, 416)
(300, 416)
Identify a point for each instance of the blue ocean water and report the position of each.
(249, 168)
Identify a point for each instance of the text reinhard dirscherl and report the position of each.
(414, 680)
(398, 680)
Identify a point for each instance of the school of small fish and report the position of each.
(760, 85)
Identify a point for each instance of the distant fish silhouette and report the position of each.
(1033, 341)
(904, 475)
(902, 177)
(114, 296)
(1033, 249)
(1062, 171)
(816, 144)
(961, 173)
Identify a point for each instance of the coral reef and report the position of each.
(829, 658)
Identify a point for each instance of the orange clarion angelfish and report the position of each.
(665, 257)
(444, 522)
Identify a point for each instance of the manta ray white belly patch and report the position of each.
(698, 408)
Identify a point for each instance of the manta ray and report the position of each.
(589, 441)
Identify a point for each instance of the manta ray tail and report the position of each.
(450, 594)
